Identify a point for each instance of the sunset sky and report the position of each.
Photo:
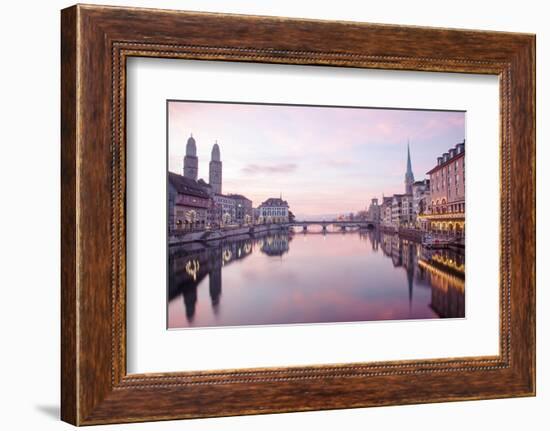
(323, 160)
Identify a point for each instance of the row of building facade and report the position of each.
(434, 204)
(196, 204)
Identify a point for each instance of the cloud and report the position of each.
(323, 160)
(339, 163)
(281, 168)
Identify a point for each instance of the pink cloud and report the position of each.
(322, 159)
(253, 169)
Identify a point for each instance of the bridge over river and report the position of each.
(342, 224)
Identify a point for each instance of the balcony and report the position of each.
(443, 216)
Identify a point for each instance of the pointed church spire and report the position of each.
(409, 176)
(409, 167)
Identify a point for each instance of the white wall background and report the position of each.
(29, 214)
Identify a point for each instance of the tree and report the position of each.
(291, 216)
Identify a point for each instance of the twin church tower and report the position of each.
(191, 165)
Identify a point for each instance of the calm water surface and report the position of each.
(312, 278)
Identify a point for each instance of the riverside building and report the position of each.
(446, 208)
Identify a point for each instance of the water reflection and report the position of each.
(311, 278)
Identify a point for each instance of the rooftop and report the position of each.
(447, 158)
(187, 186)
(401, 195)
(274, 202)
(237, 196)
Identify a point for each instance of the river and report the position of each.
(297, 278)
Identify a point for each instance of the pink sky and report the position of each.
(323, 160)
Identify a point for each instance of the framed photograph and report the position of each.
(311, 196)
(264, 214)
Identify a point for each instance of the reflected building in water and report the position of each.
(215, 281)
(445, 269)
(403, 255)
(440, 270)
(437, 276)
(275, 245)
(190, 264)
(373, 236)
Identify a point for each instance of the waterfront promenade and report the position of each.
(203, 235)
(188, 236)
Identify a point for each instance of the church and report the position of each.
(194, 204)
(191, 166)
(401, 210)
